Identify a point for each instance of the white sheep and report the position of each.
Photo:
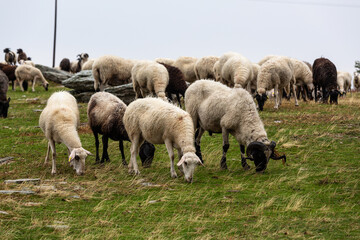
(59, 121)
(266, 58)
(186, 66)
(204, 67)
(75, 66)
(29, 73)
(356, 81)
(219, 65)
(217, 108)
(167, 61)
(150, 78)
(159, 122)
(88, 65)
(303, 75)
(237, 71)
(344, 82)
(277, 73)
(111, 70)
(27, 62)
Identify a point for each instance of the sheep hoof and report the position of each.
(124, 163)
(53, 172)
(174, 175)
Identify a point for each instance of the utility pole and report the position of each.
(53, 65)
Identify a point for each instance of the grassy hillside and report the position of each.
(315, 196)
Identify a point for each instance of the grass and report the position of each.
(316, 196)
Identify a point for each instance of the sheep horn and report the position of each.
(255, 146)
(275, 155)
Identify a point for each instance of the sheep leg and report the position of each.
(52, 145)
(178, 98)
(276, 93)
(105, 155)
(97, 159)
(199, 133)
(225, 135)
(13, 84)
(21, 85)
(134, 149)
(243, 158)
(121, 147)
(47, 153)
(170, 150)
(294, 92)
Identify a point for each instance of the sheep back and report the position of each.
(204, 67)
(177, 84)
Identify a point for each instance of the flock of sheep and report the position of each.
(218, 93)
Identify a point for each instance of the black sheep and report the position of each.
(325, 76)
(65, 65)
(4, 102)
(21, 55)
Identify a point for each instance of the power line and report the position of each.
(309, 3)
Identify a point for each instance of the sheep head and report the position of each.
(334, 96)
(187, 165)
(19, 51)
(6, 50)
(146, 153)
(4, 107)
(261, 99)
(260, 153)
(77, 159)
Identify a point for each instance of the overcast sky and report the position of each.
(146, 29)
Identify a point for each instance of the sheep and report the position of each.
(158, 122)
(10, 56)
(343, 82)
(59, 121)
(105, 113)
(111, 70)
(277, 73)
(325, 76)
(167, 61)
(266, 58)
(303, 77)
(4, 102)
(65, 65)
(177, 84)
(217, 108)
(21, 55)
(9, 70)
(237, 71)
(27, 62)
(219, 65)
(75, 66)
(29, 73)
(88, 65)
(149, 77)
(186, 66)
(204, 67)
(356, 81)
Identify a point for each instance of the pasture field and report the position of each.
(316, 196)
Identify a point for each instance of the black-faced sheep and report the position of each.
(325, 77)
(10, 56)
(65, 65)
(159, 122)
(149, 78)
(30, 73)
(111, 71)
(59, 121)
(21, 55)
(75, 66)
(105, 113)
(4, 101)
(217, 108)
(177, 84)
(204, 67)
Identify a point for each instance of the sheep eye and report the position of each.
(185, 163)
(77, 157)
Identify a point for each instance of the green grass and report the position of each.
(316, 196)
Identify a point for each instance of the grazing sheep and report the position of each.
(4, 102)
(186, 66)
(27, 62)
(303, 78)
(149, 78)
(219, 65)
(10, 56)
(105, 113)
(29, 73)
(167, 61)
(75, 66)
(325, 77)
(237, 71)
(344, 82)
(217, 108)
(65, 65)
(356, 81)
(21, 55)
(159, 122)
(204, 67)
(111, 70)
(277, 73)
(88, 65)
(177, 84)
(59, 121)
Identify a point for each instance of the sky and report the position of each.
(147, 29)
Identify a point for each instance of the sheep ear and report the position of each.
(87, 152)
(182, 160)
(72, 155)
